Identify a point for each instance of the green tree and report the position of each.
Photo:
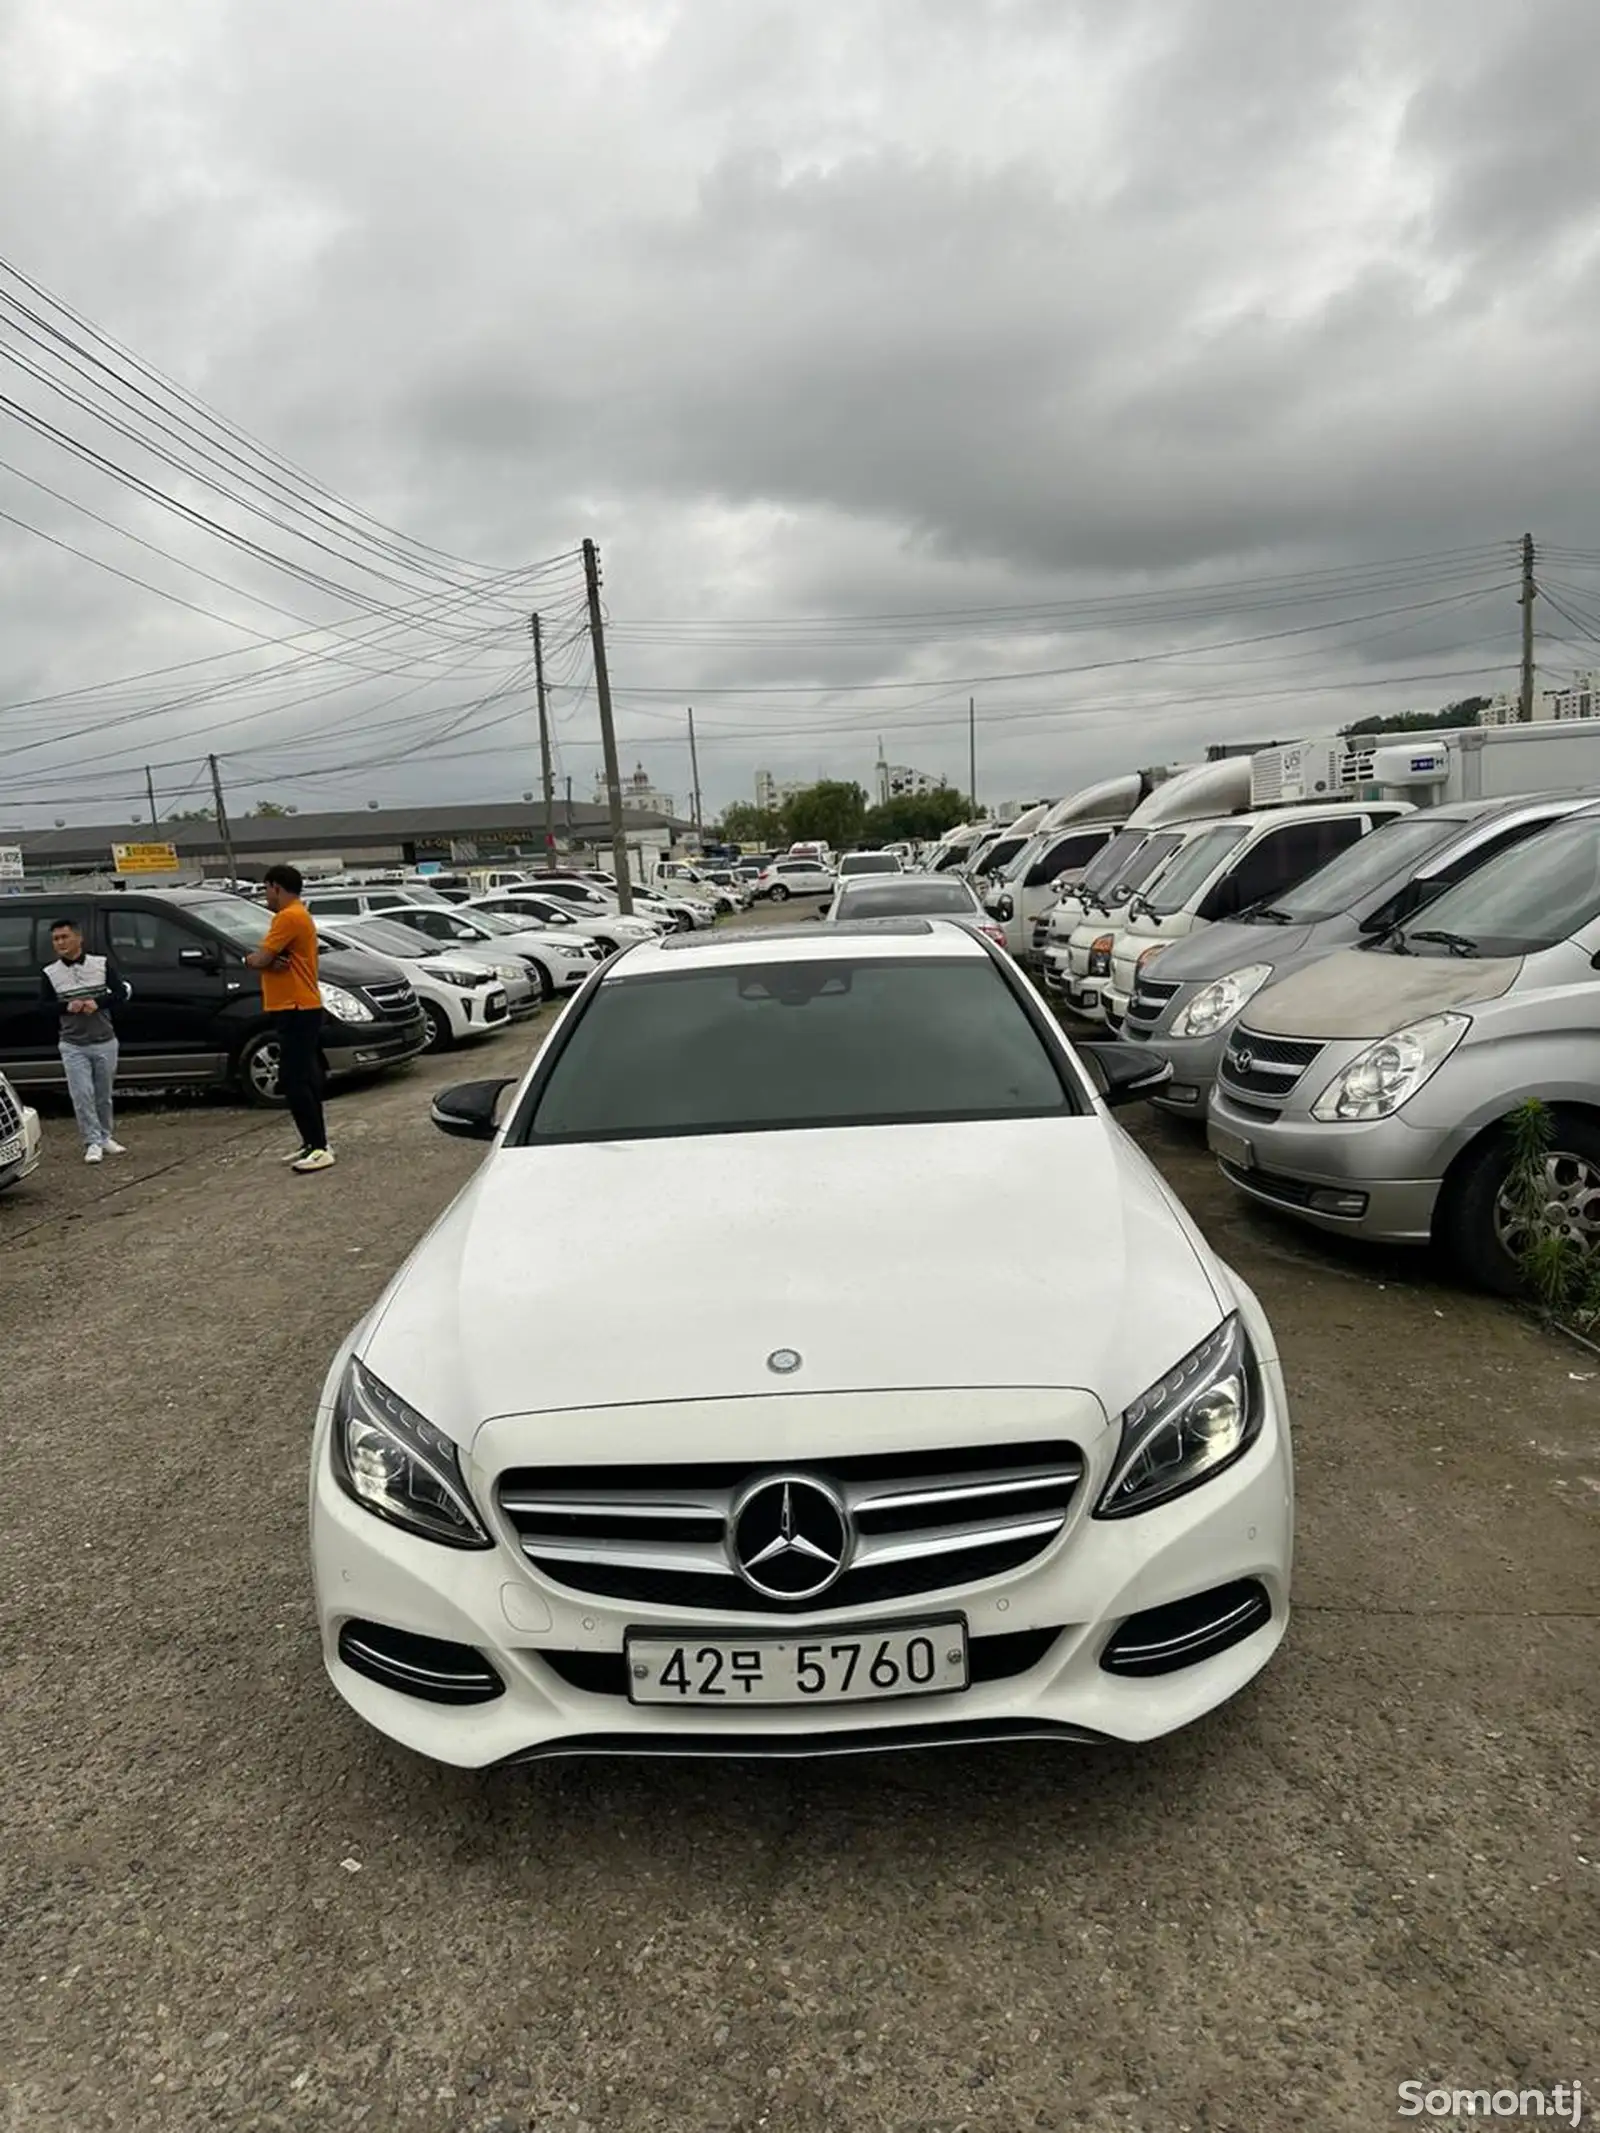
(761, 827)
(916, 815)
(265, 810)
(1464, 713)
(830, 813)
(192, 814)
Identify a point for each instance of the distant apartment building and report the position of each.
(898, 781)
(1579, 698)
(639, 796)
(773, 793)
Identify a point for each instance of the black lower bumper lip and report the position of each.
(808, 1747)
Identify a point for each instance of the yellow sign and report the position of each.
(145, 858)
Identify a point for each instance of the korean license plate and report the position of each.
(857, 1666)
(11, 1151)
(1233, 1148)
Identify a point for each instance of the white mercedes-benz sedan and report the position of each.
(864, 1491)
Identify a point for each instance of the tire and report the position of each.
(545, 984)
(606, 947)
(1477, 1227)
(440, 1034)
(255, 1071)
(778, 893)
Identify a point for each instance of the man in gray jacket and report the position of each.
(82, 989)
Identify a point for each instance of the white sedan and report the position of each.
(864, 1491)
(460, 996)
(609, 931)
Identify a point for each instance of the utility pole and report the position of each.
(222, 818)
(150, 788)
(608, 731)
(544, 752)
(972, 752)
(694, 773)
(1529, 593)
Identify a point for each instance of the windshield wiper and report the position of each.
(1457, 943)
(1268, 915)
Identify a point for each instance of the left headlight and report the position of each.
(1389, 1073)
(1220, 1001)
(466, 980)
(511, 973)
(345, 1006)
(1187, 1426)
(395, 1464)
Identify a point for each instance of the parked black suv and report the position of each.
(196, 1013)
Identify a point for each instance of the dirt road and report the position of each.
(224, 1903)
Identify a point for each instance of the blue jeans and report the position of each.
(91, 1072)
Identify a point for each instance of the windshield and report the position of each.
(1193, 866)
(998, 853)
(1538, 893)
(762, 1047)
(869, 863)
(1151, 856)
(908, 899)
(533, 912)
(1020, 861)
(1399, 848)
(389, 938)
(483, 922)
(244, 924)
(1107, 863)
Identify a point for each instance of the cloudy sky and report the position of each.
(1157, 374)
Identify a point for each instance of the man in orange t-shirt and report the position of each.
(287, 961)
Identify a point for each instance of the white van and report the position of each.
(1232, 866)
(1056, 855)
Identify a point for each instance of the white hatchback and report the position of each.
(863, 1491)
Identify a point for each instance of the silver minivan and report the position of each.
(1369, 1092)
(1185, 1005)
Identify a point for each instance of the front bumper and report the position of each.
(1377, 1180)
(1194, 1062)
(13, 1173)
(1037, 1635)
(360, 1048)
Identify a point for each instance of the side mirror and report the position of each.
(468, 1110)
(200, 958)
(1127, 1073)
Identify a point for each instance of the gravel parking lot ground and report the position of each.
(225, 1903)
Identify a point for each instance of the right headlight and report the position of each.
(397, 1465)
(1389, 1073)
(344, 1006)
(1100, 955)
(1218, 1003)
(1187, 1426)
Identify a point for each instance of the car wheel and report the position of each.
(778, 893)
(606, 947)
(1487, 1227)
(544, 984)
(256, 1069)
(440, 1034)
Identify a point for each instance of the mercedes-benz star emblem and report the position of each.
(785, 1361)
(789, 1537)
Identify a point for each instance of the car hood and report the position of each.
(1359, 993)
(1214, 951)
(530, 939)
(356, 966)
(843, 1244)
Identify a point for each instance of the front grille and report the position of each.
(1149, 1002)
(1041, 933)
(10, 1114)
(392, 997)
(1267, 1068)
(922, 1521)
(988, 1659)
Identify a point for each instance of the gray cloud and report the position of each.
(817, 311)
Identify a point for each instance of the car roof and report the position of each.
(886, 940)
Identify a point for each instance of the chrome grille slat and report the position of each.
(918, 1521)
(1266, 1069)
